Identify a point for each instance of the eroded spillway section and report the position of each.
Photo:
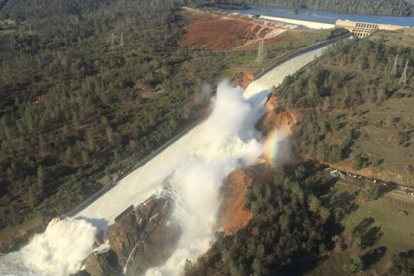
(139, 185)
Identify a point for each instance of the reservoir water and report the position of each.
(326, 17)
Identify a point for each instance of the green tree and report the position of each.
(357, 241)
(260, 251)
(314, 204)
(85, 157)
(356, 264)
(257, 267)
(40, 180)
(188, 266)
(359, 162)
(104, 121)
(370, 192)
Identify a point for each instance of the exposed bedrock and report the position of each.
(142, 238)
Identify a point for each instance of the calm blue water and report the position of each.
(327, 17)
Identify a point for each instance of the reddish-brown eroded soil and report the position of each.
(232, 216)
(217, 33)
(244, 78)
(277, 118)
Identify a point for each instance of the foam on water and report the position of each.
(58, 251)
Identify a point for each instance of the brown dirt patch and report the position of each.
(216, 33)
(232, 216)
(277, 118)
(244, 78)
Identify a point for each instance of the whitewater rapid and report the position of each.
(193, 168)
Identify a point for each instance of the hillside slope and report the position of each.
(353, 112)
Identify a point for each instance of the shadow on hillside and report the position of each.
(369, 234)
(372, 256)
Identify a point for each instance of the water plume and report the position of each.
(59, 251)
(228, 141)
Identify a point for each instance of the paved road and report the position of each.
(143, 182)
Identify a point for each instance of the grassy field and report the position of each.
(275, 48)
(404, 37)
(391, 221)
(243, 61)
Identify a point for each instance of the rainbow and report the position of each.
(271, 147)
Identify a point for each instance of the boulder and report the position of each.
(103, 264)
(123, 235)
(145, 237)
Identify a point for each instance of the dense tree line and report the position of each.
(328, 94)
(288, 228)
(378, 7)
(88, 88)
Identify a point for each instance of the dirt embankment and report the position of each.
(277, 118)
(232, 215)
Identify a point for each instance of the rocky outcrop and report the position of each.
(145, 237)
(156, 245)
(276, 125)
(123, 235)
(243, 78)
(232, 215)
(103, 264)
(276, 118)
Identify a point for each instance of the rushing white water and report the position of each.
(60, 250)
(225, 141)
(229, 141)
(195, 165)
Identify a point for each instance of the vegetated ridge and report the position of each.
(353, 111)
